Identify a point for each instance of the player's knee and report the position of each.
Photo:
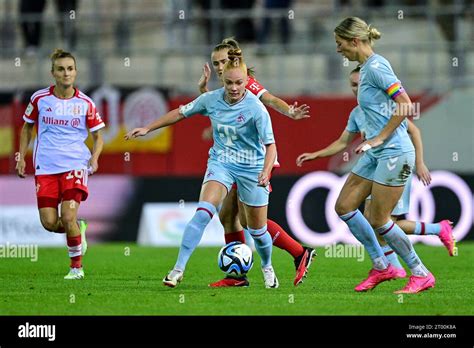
(341, 208)
(68, 219)
(376, 220)
(227, 221)
(49, 223)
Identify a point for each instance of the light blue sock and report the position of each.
(399, 242)
(391, 256)
(432, 229)
(364, 233)
(263, 244)
(193, 232)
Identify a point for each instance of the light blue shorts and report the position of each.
(247, 183)
(403, 205)
(391, 171)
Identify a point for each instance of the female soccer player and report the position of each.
(356, 125)
(63, 115)
(229, 213)
(241, 124)
(387, 162)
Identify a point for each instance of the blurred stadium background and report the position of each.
(138, 59)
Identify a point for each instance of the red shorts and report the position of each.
(234, 185)
(52, 189)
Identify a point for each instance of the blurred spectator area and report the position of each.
(164, 43)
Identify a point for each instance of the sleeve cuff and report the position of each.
(259, 94)
(96, 128)
(28, 120)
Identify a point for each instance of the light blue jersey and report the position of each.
(240, 130)
(378, 86)
(356, 121)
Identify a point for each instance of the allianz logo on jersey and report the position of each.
(49, 120)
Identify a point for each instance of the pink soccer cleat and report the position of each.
(400, 273)
(376, 277)
(302, 264)
(446, 236)
(417, 284)
(230, 282)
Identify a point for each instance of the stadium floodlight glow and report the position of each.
(338, 231)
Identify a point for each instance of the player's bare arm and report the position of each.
(293, 111)
(170, 118)
(338, 146)
(422, 170)
(270, 156)
(96, 151)
(25, 138)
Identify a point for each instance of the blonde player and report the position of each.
(231, 213)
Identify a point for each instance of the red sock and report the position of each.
(238, 236)
(75, 251)
(282, 240)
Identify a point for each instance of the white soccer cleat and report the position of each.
(173, 278)
(269, 277)
(75, 273)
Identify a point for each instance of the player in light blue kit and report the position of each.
(387, 163)
(244, 152)
(355, 125)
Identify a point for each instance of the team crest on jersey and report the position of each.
(240, 118)
(75, 122)
(29, 109)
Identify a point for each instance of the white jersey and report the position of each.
(62, 127)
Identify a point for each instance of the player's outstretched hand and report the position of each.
(263, 179)
(299, 112)
(20, 168)
(305, 157)
(206, 75)
(423, 173)
(137, 132)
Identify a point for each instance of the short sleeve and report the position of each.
(383, 77)
(197, 106)
(94, 121)
(255, 87)
(31, 112)
(352, 124)
(264, 125)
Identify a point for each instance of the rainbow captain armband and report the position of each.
(395, 90)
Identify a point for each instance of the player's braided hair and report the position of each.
(58, 53)
(230, 43)
(235, 60)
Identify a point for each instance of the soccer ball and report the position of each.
(235, 259)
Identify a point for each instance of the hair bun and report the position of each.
(234, 54)
(373, 33)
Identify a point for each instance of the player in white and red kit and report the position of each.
(63, 116)
(229, 216)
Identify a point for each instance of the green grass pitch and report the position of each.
(125, 279)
